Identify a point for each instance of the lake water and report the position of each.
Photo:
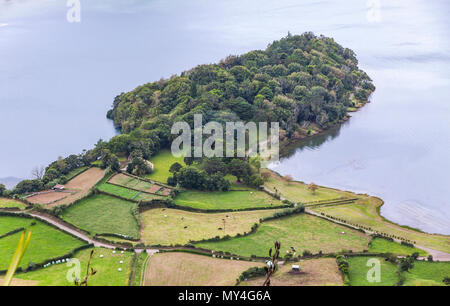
(58, 79)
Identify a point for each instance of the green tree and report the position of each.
(239, 169)
(175, 167)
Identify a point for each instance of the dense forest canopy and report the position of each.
(297, 79)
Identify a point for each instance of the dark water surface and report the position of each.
(58, 79)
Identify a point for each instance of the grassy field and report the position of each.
(225, 200)
(184, 269)
(364, 211)
(303, 232)
(298, 192)
(46, 242)
(127, 193)
(427, 274)
(107, 270)
(380, 245)
(104, 214)
(162, 162)
(314, 272)
(10, 203)
(167, 226)
(358, 272)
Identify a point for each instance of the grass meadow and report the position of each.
(162, 163)
(172, 227)
(427, 274)
(302, 232)
(46, 241)
(226, 200)
(380, 245)
(101, 214)
(11, 203)
(358, 272)
(107, 270)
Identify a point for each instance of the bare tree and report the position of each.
(89, 272)
(313, 187)
(272, 264)
(288, 179)
(38, 172)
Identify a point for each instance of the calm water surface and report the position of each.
(57, 80)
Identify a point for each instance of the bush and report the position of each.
(252, 272)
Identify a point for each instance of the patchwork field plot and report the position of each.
(358, 272)
(10, 203)
(380, 245)
(81, 185)
(226, 200)
(128, 193)
(313, 272)
(107, 270)
(48, 197)
(184, 269)
(427, 274)
(302, 232)
(46, 242)
(162, 162)
(101, 214)
(139, 185)
(171, 227)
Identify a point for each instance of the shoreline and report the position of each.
(297, 141)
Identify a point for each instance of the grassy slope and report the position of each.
(162, 162)
(364, 212)
(303, 232)
(184, 269)
(298, 192)
(46, 241)
(225, 200)
(158, 229)
(380, 245)
(107, 270)
(10, 203)
(427, 274)
(103, 214)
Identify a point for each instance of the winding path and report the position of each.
(76, 233)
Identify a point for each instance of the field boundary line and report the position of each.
(144, 270)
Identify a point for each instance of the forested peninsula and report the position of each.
(307, 83)
(299, 81)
